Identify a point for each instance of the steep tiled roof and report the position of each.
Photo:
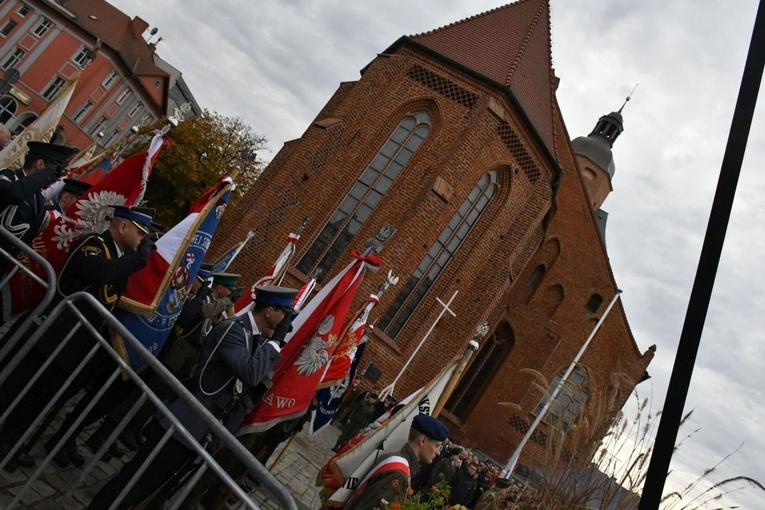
(510, 45)
(117, 31)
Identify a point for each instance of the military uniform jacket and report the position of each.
(233, 351)
(92, 265)
(184, 353)
(389, 486)
(22, 207)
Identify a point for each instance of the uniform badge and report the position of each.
(91, 250)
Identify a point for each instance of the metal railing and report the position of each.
(49, 285)
(72, 305)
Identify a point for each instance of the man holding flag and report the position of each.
(22, 207)
(99, 264)
(237, 355)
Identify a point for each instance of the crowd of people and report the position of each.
(222, 361)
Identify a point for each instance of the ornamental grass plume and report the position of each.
(597, 457)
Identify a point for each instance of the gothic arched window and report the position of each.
(570, 401)
(481, 370)
(358, 205)
(439, 255)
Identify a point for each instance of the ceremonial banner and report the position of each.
(272, 277)
(41, 130)
(316, 332)
(386, 435)
(346, 349)
(329, 399)
(225, 260)
(123, 186)
(155, 295)
(95, 170)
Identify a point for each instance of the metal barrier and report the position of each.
(226, 439)
(49, 285)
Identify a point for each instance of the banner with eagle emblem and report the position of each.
(316, 333)
(125, 185)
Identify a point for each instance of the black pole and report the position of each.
(705, 273)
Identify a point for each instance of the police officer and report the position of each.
(22, 206)
(179, 354)
(99, 264)
(388, 480)
(236, 357)
(70, 192)
(203, 312)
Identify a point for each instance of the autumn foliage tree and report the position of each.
(201, 150)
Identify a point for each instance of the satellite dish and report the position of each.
(154, 31)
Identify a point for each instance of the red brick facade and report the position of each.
(538, 217)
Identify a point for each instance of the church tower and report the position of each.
(452, 143)
(595, 159)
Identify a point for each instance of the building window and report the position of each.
(439, 255)
(594, 303)
(24, 10)
(125, 94)
(82, 111)
(482, 369)
(8, 107)
(56, 85)
(109, 80)
(134, 110)
(94, 133)
(369, 189)
(13, 59)
(42, 27)
(8, 28)
(570, 401)
(82, 57)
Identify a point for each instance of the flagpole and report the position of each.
(388, 390)
(472, 347)
(513, 461)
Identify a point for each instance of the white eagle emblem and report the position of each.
(315, 355)
(90, 217)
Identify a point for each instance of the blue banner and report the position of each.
(329, 399)
(153, 331)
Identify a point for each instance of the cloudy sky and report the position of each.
(276, 64)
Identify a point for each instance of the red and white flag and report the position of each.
(386, 435)
(272, 277)
(124, 185)
(316, 332)
(346, 349)
(155, 295)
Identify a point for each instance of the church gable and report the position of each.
(511, 47)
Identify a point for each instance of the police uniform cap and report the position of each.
(205, 272)
(226, 279)
(140, 216)
(431, 427)
(76, 188)
(276, 296)
(57, 153)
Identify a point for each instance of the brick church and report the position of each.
(453, 140)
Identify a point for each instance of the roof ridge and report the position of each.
(526, 38)
(469, 18)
